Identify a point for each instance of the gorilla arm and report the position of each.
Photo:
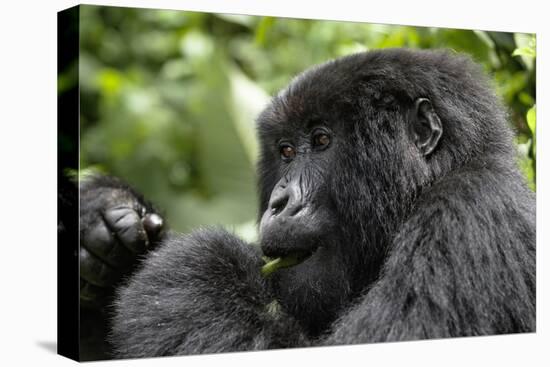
(199, 293)
(454, 268)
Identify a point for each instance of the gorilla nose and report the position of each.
(286, 202)
(290, 223)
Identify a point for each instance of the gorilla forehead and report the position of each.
(313, 96)
(355, 88)
(379, 78)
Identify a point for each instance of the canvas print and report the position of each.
(233, 183)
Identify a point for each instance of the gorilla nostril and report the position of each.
(295, 209)
(278, 204)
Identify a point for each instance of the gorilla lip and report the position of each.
(292, 259)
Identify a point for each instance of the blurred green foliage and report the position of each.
(168, 98)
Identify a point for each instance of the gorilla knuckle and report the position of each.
(96, 271)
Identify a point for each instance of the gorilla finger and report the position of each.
(153, 225)
(92, 293)
(96, 271)
(126, 224)
(101, 243)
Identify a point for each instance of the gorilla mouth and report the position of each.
(292, 259)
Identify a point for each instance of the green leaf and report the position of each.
(526, 40)
(273, 308)
(526, 98)
(532, 123)
(279, 263)
(262, 29)
(532, 119)
(283, 262)
(110, 81)
(524, 51)
(526, 48)
(246, 102)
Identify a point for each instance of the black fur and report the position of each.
(200, 293)
(405, 245)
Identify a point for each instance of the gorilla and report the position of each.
(391, 209)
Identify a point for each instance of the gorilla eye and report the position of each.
(321, 140)
(287, 151)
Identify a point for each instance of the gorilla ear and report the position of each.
(425, 126)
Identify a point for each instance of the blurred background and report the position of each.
(168, 98)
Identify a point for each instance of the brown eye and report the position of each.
(321, 140)
(288, 152)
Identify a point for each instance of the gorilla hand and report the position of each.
(116, 226)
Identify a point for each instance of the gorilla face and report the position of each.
(304, 143)
(299, 219)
